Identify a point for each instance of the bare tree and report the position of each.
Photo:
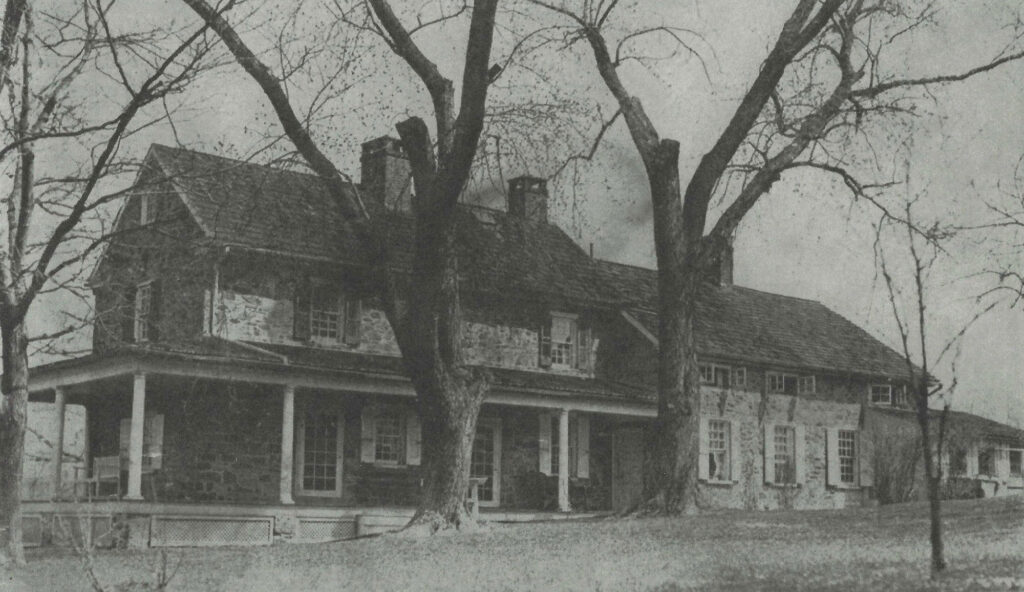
(424, 309)
(824, 85)
(922, 248)
(72, 86)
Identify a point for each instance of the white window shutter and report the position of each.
(413, 439)
(972, 460)
(735, 454)
(703, 467)
(865, 459)
(544, 442)
(832, 454)
(583, 360)
(153, 441)
(801, 452)
(769, 453)
(583, 447)
(368, 451)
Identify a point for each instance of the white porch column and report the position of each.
(563, 461)
(58, 438)
(287, 444)
(135, 439)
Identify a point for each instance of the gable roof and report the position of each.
(967, 423)
(743, 324)
(261, 207)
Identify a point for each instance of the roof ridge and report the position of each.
(237, 161)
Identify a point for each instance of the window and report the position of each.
(958, 462)
(143, 309)
(847, 450)
(881, 394)
(389, 438)
(564, 344)
(723, 376)
(563, 340)
(782, 383)
(900, 396)
(320, 452)
(805, 385)
(1015, 463)
(549, 443)
(987, 462)
(718, 450)
(485, 461)
(785, 454)
(324, 313)
(555, 439)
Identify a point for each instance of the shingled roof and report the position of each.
(250, 205)
(749, 325)
(258, 206)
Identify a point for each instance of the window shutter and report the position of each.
(544, 442)
(300, 312)
(544, 339)
(832, 453)
(703, 466)
(866, 459)
(413, 438)
(1002, 462)
(583, 357)
(735, 454)
(155, 301)
(583, 447)
(769, 453)
(153, 440)
(800, 433)
(972, 460)
(128, 322)
(353, 321)
(368, 452)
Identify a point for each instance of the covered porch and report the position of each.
(244, 444)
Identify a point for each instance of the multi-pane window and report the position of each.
(739, 377)
(324, 313)
(900, 396)
(847, 450)
(782, 383)
(563, 341)
(1015, 463)
(987, 461)
(724, 376)
(718, 450)
(389, 438)
(320, 452)
(958, 462)
(784, 440)
(805, 385)
(482, 462)
(707, 374)
(881, 394)
(143, 307)
(555, 443)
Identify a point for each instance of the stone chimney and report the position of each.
(528, 198)
(386, 175)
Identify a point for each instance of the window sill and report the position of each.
(388, 466)
(845, 486)
(718, 482)
(785, 485)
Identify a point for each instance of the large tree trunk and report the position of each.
(933, 478)
(13, 412)
(670, 475)
(449, 393)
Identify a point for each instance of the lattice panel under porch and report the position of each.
(209, 531)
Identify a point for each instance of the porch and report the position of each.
(172, 450)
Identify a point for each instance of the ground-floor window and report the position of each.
(987, 462)
(320, 439)
(390, 437)
(1015, 463)
(847, 451)
(785, 454)
(719, 464)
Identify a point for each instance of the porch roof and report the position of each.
(213, 357)
(968, 423)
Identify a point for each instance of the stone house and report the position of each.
(245, 384)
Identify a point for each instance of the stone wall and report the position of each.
(750, 411)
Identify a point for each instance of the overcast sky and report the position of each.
(805, 239)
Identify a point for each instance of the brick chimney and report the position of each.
(386, 175)
(528, 198)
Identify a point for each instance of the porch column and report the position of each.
(287, 444)
(135, 439)
(58, 438)
(563, 461)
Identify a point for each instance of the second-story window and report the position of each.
(143, 311)
(147, 209)
(564, 344)
(325, 316)
(881, 394)
(324, 313)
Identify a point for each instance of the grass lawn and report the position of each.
(859, 549)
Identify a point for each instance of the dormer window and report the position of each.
(563, 344)
(324, 316)
(723, 376)
(143, 306)
(790, 384)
